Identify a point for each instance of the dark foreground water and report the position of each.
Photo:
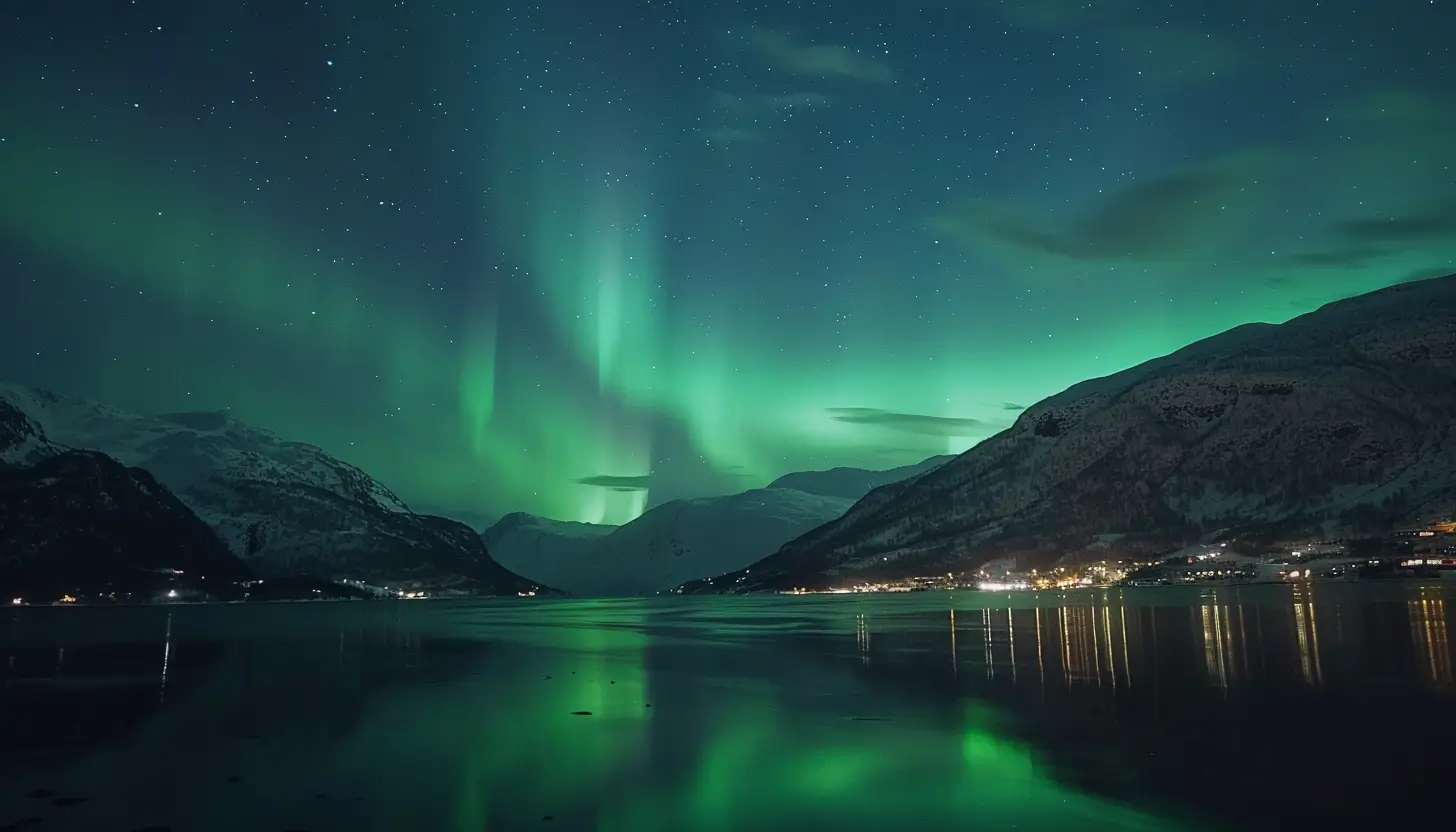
(1159, 708)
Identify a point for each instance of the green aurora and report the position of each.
(502, 263)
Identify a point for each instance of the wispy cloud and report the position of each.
(917, 423)
(1013, 406)
(618, 483)
(821, 60)
(1166, 218)
(1429, 223)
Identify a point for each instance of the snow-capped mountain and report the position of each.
(1336, 422)
(853, 483)
(669, 544)
(283, 507)
(79, 518)
(530, 545)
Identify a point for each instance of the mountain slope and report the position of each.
(670, 544)
(541, 548)
(70, 519)
(853, 483)
(1339, 420)
(284, 507)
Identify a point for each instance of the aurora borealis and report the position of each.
(578, 257)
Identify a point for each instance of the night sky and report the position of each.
(579, 257)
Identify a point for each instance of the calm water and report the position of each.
(1151, 709)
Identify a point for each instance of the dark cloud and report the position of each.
(1013, 406)
(1352, 257)
(1159, 219)
(1434, 223)
(908, 422)
(823, 60)
(617, 483)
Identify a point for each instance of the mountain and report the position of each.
(74, 519)
(537, 538)
(538, 547)
(285, 508)
(1336, 422)
(667, 545)
(853, 483)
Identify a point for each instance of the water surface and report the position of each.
(1149, 709)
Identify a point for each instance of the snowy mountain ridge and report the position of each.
(196, 447)
(73, 518)
(284, 507)
(853, 483)
(1336, 422)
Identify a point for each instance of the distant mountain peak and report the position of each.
(679, 540)
(845, 481)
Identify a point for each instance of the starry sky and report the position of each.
(580, 257)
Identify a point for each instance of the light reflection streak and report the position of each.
(1126, 663)
(1088, 644)
(954, 669)
(862, 638)
(986, 633)
(1011, 642)
(1307, 634)
(166, 660)
(1040, 662)
(1428, 632)
(1213, 643)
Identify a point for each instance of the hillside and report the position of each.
(284, 508)
(1336, 422)
(79, 519)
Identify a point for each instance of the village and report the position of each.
(1424, 553)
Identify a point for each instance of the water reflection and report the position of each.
(1312, 690)
(1100, 710)
(1102, 640)
(1428, 629)
(1307, 627)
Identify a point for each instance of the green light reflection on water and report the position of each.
(733, 755)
